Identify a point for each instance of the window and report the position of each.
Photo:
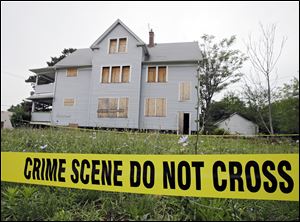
(155, 107)
(157, 74)
(122, 45)
(112, 108)
(184, 91)
(71, 72)
(117, 45)
(162, 74)
(105, 75)
(151, 74)
(119, 74)
(69, 102)
(115, 74)
(125, 73)
(113, 46)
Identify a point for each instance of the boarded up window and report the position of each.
(113, 46)
(122, 45)
(162, 74)
(105, 75)
(125, 73)
(151, 74)
(123, 108)
(68, 102)
(160, 107)
(184, 91)
(150, 107)
(113, 107)
(71, 72)
(103, 108)
(115, 74)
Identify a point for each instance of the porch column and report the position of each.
(32, 107)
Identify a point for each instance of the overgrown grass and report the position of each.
(31, 202)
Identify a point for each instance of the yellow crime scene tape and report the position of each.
(242, 176)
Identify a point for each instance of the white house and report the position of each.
(5, 120)
(236, 124)
(121, 82)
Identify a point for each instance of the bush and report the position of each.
(220, 131)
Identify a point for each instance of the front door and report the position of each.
(183, 123)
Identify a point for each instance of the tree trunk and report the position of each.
(269, 105)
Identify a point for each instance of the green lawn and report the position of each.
(30, 202)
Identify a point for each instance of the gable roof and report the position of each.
(181, 51)
(228, 117)
(81, 57)
(117, 22)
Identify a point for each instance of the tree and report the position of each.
(65, 53)
(286, 109)
(54, 60)
(263, 59)
(21, 114)
(217, 69)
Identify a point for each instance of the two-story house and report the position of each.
(121, 82)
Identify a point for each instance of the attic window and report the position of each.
(113, 46)
(117, 45)
(122, 45)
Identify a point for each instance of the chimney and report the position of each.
(151, 39)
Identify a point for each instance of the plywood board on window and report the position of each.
(151, 74)
(113, 46)
(122, 44)
(150, 107)
(160, 107)
(103, 108)
(162, 74)
(125, 73)
(68, 102)
(115, 74)
(105, 75)
(113, 106)
(185, 91)
(71, 72)
(123, 108)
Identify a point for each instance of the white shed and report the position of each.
(5, 120)
(236, 124)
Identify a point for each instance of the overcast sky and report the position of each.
(32, 32)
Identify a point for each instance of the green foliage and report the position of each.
(33, 202)
(21, 114)
(219, 131)
(65, 53)
(218, 68)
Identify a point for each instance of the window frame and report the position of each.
(155, 106)
(118, 107)
(117, 48)
(156, 73)
(179, 91)
(120, 74)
